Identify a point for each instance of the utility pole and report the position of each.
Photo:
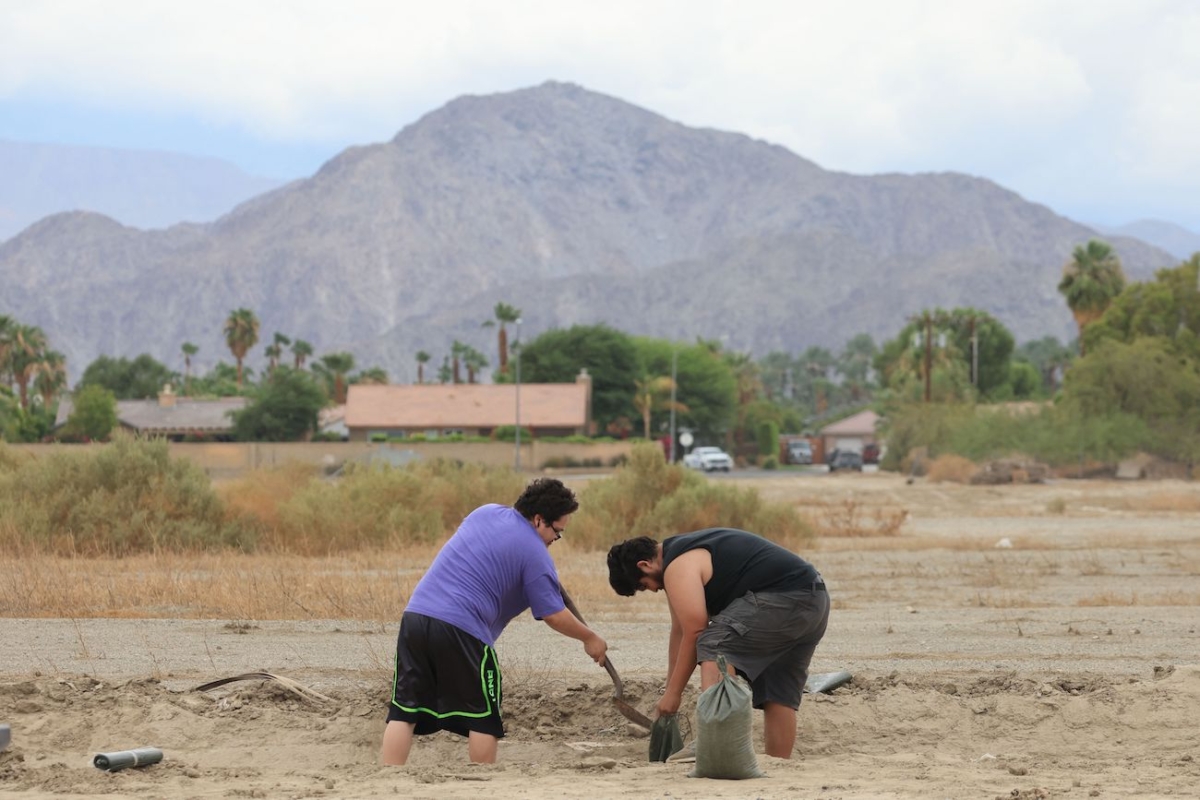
(928, 319)
(674, 370)
(517, 456)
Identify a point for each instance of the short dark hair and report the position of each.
(624, 574)
(547, 497)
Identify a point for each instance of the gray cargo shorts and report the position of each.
(770, 638)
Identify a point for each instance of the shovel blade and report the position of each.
(632, 714)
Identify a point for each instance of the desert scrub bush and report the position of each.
(380, 505)
(253, 501)
(124, 497)
(849, 518)
(951, 468)
(650, 497)
(12, 460)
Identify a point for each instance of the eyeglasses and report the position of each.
(558, 532)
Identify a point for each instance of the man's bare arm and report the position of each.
(568, 624)
(684, 584)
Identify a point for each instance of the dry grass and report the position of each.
(851, 518)
(951, 468)
(364, 586)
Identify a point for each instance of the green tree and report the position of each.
(274, 351)
(1049, 356)
(375, 376)
(1145, 379)
(337, 366)
(93, 414)
(141, 378)
(26, 349)
(422, 360)
(220, 381)
(653, 393)
(505, 314)
(7, 326)
(854, 364)
(474, 361)
(1167, 307)
(301, 352)
(1090, 281)
(705, 384)
(51, 377)
(992, 343)
(457, 351)
(284, 409)
(189, 351)
(241, 334)
(609, 355)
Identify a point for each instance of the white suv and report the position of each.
(708, 459)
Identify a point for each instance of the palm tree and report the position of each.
(339, 365)
(474, 361)
(1090, 281)
(504, 314)
(25, 357)
(457, 351)
(51, 377)
(444, 371)
(374, 376)
(274, 351)
(189, 350)
(241, 333)
(301, 350)
(422, 360)
(653, 394)
(7, 325)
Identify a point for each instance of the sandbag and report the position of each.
(725, 730)
(665, 738)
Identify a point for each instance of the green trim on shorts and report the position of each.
(489, 696)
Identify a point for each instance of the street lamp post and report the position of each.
(517, 455)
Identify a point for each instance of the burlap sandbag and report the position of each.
(665, 738)
(725, 730)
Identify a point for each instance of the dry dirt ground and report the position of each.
(1063, 665)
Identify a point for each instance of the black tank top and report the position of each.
(742, 562)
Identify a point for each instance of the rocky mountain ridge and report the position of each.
(573, 206)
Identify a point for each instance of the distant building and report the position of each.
(170, 416)
(469, 409)
(852, 433)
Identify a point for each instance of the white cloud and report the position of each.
(1017, 90)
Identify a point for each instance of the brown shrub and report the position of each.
(952, 468)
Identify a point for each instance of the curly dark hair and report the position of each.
(624, 575)
(547, 497)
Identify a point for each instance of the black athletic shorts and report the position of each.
(445, 679)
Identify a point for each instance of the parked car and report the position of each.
(870, 453)
(845, 459)
(799, 451)
(708, 459)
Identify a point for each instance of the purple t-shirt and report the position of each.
(494, 567)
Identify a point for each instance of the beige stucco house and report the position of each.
(469, 409)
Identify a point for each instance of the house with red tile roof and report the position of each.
(469, 409)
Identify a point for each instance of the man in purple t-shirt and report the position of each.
(496, 565)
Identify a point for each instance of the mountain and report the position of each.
(142, 188)
(572, 206)
(1175, 239)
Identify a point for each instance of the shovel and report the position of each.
(624, 706)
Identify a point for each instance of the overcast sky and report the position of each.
(1091, 106)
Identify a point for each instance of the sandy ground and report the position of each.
(1064, 665)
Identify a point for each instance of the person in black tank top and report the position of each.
(734, 593)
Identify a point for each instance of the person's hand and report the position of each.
(596, 648)
(668, 704)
